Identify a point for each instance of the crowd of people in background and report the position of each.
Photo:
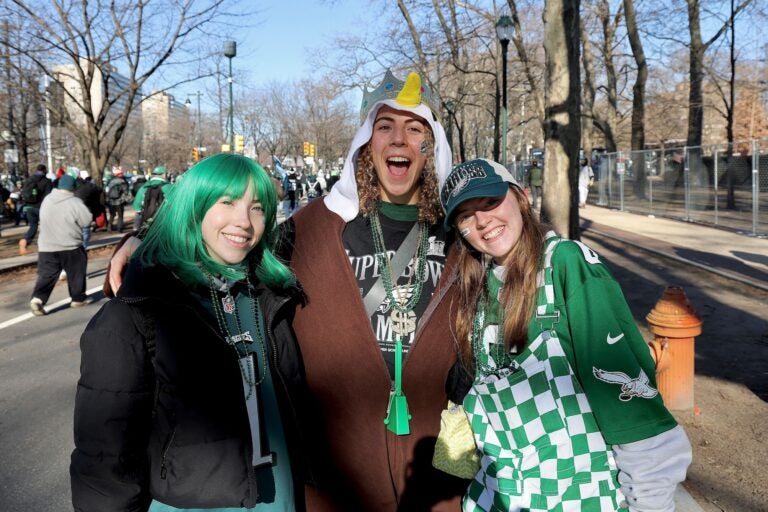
(298, 185)
(22, 197)
(61, 209)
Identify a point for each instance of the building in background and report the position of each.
(107, 85)
(168, 134)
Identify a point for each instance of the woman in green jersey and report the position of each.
(563, 402)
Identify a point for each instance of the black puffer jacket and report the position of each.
(173, 425)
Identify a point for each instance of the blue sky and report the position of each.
(274, 45)
(276, 49)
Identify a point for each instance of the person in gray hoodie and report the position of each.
(63, 217)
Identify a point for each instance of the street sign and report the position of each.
(11, 156)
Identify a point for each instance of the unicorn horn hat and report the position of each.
(408, 96)
(410, 93)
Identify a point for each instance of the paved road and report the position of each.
(39, 367)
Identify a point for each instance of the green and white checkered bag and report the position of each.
(541, 446)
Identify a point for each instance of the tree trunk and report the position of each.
(638, 98)
(609, 33)
(562, 132)
(589, 92)
(696, 76)
(497, 122)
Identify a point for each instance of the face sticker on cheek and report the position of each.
(424, 147)
(464, 232)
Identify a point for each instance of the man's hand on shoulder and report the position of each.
(118, 263)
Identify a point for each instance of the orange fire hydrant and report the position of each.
(675, 325)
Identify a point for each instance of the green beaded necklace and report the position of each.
(397, 416)
(386, 273)
(497, 352)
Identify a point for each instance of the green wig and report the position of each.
(175, 240)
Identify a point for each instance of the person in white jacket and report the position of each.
(63, 218)
(586, 178)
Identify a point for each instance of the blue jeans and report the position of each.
(289, 206)
(19, 214)
(86, 236)
(33, 218)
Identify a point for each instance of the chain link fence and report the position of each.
(696, 184)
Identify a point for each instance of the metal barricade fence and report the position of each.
(696, 184)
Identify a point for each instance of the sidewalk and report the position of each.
(99, 239)
(740, 257)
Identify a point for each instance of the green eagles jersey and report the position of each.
(604, 347)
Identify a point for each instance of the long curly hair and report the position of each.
(368, 183)
(518, 293)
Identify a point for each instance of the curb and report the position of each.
(684, 502)
(30, 260)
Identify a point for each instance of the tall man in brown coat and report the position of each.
(340, 247)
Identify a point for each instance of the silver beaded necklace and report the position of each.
(240, 342)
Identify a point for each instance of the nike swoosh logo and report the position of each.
(611, 340)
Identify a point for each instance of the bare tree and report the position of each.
(329, 123)
(23, 100)
(100, 54)
(665, 106)
(697, 50)
(608, 121)
(281, 116)
(526, 54)
(638, 97)
(448, 59)
(453, 31)
(562, 127)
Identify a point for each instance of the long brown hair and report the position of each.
(368, 183)
(518, 293)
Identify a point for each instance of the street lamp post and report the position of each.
(230, 50)
(504, 31)
(449, 106)
(198, 129)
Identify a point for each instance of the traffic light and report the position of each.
(306, 149)
(195, 154)
(311, 150)
(239, 143)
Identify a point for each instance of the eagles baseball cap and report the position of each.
(472, 179)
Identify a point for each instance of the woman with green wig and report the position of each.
(191, 378)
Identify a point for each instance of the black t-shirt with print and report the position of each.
(396, 223)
